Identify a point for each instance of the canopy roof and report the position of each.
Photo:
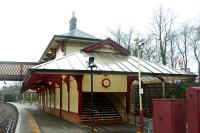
(116, 61)
(107, 63)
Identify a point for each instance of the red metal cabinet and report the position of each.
(193, 109)
(169, 116)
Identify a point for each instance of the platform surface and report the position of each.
(33, 120)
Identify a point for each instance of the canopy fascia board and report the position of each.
(167, 77)
(61, 71)
(56, 71)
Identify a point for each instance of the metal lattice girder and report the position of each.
(14, 70)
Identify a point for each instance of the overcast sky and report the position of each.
(27, 26)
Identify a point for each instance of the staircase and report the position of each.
(103, 110)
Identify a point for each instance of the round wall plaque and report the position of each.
(106, 82)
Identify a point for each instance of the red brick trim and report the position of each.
(71, 116)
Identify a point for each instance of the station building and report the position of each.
(63, 79)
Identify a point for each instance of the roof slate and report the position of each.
(79, 33)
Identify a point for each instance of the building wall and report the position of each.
(73, 95)
(64, 97)
(107, 48)
(71, 47)
(119, 102)
(45, 98)
(118, 83)
(57, 98)
(48, 95)
(71, 115)
(59, 53)
(52, 98)
(40, 99)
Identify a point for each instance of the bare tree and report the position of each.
(149, 50)
(173, 52)
(195, 45)
(128, 41)
(185, 35)
(162, 22)
(125, 39)
(117, 35)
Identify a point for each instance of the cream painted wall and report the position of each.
(40, 98)
(45, 98)
(107, 48)
(118, 83)
(59, 53)
(73, 46)
(72, 49)
(57, 98)
(48, 95)
(52, 97)
(73, 95)
(119, 101)
(64, 96)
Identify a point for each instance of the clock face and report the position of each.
(106, 82)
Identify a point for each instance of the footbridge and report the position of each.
(14, 71)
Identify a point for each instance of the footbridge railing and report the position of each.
(14, 71)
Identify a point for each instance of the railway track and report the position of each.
(8, 118)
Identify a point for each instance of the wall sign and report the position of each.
(106, 82)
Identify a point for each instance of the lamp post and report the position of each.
(91, 65)
(139, 43)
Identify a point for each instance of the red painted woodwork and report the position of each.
(62, 46)
(36, 80)
(169, 116)
(130, 79)
(193, 109)
(68, 88)
(105, 42)
(160, 78)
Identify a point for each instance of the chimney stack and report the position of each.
(72, 22)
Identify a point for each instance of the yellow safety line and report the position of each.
(33, 124)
